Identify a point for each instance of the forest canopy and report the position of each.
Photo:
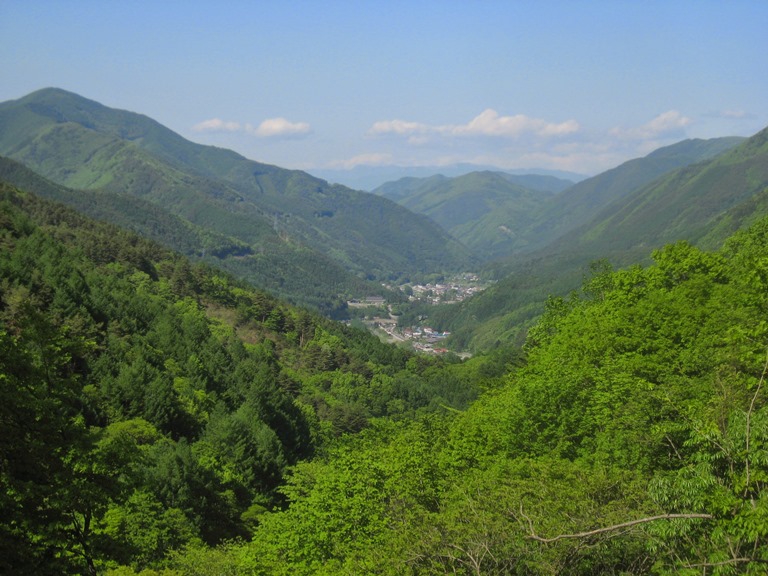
(162, 418)
(151, 405)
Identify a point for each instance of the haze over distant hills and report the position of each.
(372, 177)
(701, 202)
(484, 210)
(497, 214)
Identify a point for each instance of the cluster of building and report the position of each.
(422, 338)
(425, 339)
(455, 290)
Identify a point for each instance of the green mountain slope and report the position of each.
(632, 441)
(141, 216)
(484, 210)
(581, 202)
(703, 202)
(150, 404)
(498, 214)
(684, 204)
(82, 144)
(302, 275)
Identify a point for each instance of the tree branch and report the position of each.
(629, 524)
(725, 563)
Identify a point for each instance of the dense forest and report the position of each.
(152, 407)
(159, 417)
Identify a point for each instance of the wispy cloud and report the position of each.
(270, 128)
(731, 114)
(670, 124)
(281, 127)
(488, 123)
(521, 141)
(217, 125)
(370, 159)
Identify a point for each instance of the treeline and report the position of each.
(152, 407)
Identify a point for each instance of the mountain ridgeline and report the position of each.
(484, 210)
(290, 232)
(498, 214)
(160, 416)
(702, 202)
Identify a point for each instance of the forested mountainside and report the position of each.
(498, 214)
(630, 439)
(306, 276)
(703, 203)
(582, 202)
(287, 218)
(152, 407)
(483, 210)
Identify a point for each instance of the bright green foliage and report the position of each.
(150, 406)
(163, 419)
(632, 440)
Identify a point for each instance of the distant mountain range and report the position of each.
(372, 177)
(702, 202)
(497, 214)
(294, 234)
(317, 244)
(484, 210)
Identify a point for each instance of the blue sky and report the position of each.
(578, 86)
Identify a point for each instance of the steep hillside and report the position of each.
(150, 404)
(141, 216)
(303, 276)
(684, 204)
(484, 210)
(499, 215)
(703, 203)
(82, 144)
(580, 203)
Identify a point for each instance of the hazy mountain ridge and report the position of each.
(82, 144)
(498, 214)
(483, 210)
(584, 200)
(703, 202)
(373, 177)
(682, 204)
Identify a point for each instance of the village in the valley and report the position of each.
(422, 337)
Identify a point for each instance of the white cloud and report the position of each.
(270, 128)
(399, 127)
(273, 127)
(670, 124)
(217, 125)
(487, 123)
